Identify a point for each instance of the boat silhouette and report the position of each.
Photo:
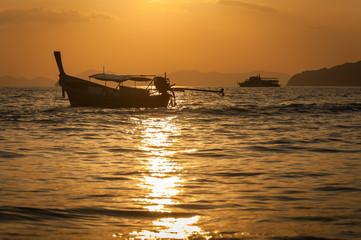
(85, 93)
(258, 81)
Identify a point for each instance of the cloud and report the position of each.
(55, 17)
(102, 16)
(234, 3)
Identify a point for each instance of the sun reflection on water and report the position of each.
(162, 181)
(177, 228)
(161, 190)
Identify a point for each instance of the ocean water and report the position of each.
(273, 163)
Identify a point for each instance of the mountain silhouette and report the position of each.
(85, 75)
(9, 81)
(180, 78)
(348, 74)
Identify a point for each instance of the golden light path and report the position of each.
(162, 181)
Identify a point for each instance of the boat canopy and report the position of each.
(122, 78)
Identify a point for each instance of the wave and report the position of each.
(7, 154)
(313, 108)
(293, 149)
(303, 238)
(337, 189)
(10, 214)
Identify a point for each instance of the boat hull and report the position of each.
(82, 93)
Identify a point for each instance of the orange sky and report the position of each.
(154, 36)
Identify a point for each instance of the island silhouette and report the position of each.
(348, 74)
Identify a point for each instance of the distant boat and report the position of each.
(257, 81)
(85, 93)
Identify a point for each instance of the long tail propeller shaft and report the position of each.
(219, 92)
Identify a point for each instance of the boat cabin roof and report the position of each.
(122, 78)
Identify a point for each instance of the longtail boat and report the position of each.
(86, 93)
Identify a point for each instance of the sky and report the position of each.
(157, 36)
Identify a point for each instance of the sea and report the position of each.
(259, 163)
